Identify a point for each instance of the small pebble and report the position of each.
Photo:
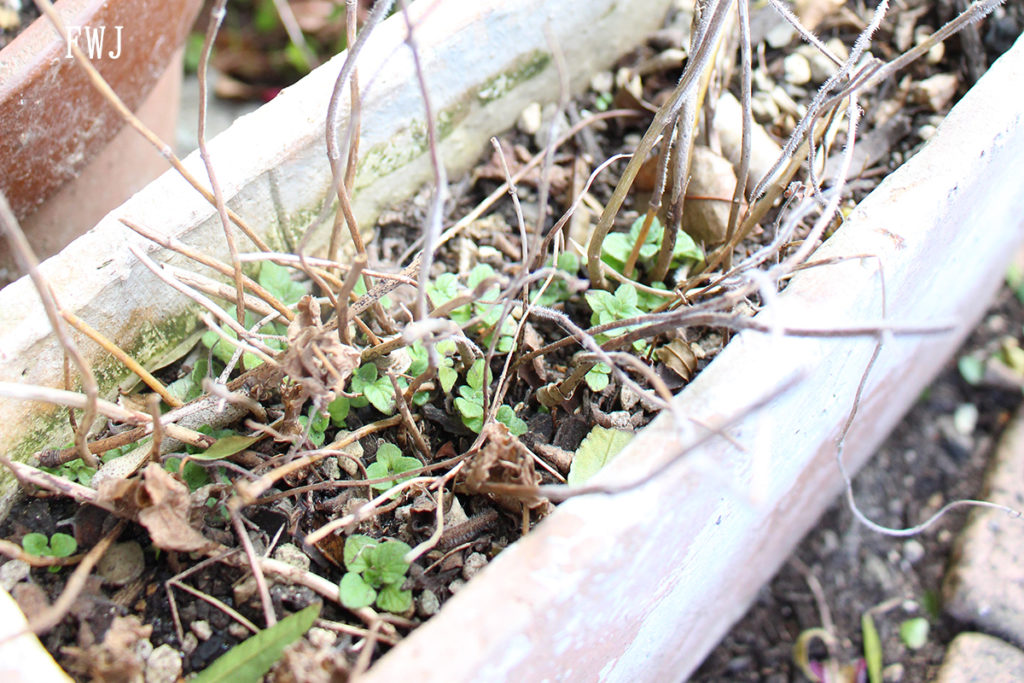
(122, 563)
(427, 604)
(935, 92)
(13, 572)
(602, 82)
(189, 643)
(473, 564)
(937, 52)
(321, 638)
(763, 107)
(289, 553)
(202, 629)
(163, 665)
(893, 673)
(236, 630)
(456, 585)
(530, 118)
(797, 69)
(965, 418)
(913, 551)
(780, 35)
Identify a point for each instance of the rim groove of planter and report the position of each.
(52, 133)
(641, 585)
(272, 167)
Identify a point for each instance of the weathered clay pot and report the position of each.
(56, 174)
(639, 585)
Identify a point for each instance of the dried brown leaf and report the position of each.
(165, 512)
(503, 460)
(118, 658)
(316, 359)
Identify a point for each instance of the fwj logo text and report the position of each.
(94, 37)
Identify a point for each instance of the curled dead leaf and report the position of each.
(316, 359)
(503, 460)
(679, 358)
(164, 503)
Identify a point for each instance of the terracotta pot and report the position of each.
(640, 585)
(57, 124)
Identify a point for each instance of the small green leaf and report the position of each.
(250, 660)
(598, 377)
(358, 549)
(380, 396)
(355, 592)
(972, 369)
(393, 599)
(480, 272)
(508, 417)
(599, 448)
(389, 561)
(278, 281)
(872, 648)
(63, 545)
(469, 408)
(443, 289)
(447, 376)
(914, 632)
(338, 410)
(569, 262)
(35, 544)
(475, 376)
(226, 446)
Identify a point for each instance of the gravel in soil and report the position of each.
(938, 453)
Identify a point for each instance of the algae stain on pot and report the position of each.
(523, 69)
(50, 429)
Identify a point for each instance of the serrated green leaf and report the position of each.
(872, 647)
(914, 632)
(62, 545)
(356, 554)
(226, 446)
(468, 408)
(598, 449)
(387, 454)
(380, 396)
(355, 592)
(393, 599)
(35, 544)
(389, 559)
(475, 375)
(480, 272)
(251, 659)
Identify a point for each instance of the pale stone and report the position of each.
(163, 665)
(797, 69)
(978, 658)
(291, 554)
(710, 176)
